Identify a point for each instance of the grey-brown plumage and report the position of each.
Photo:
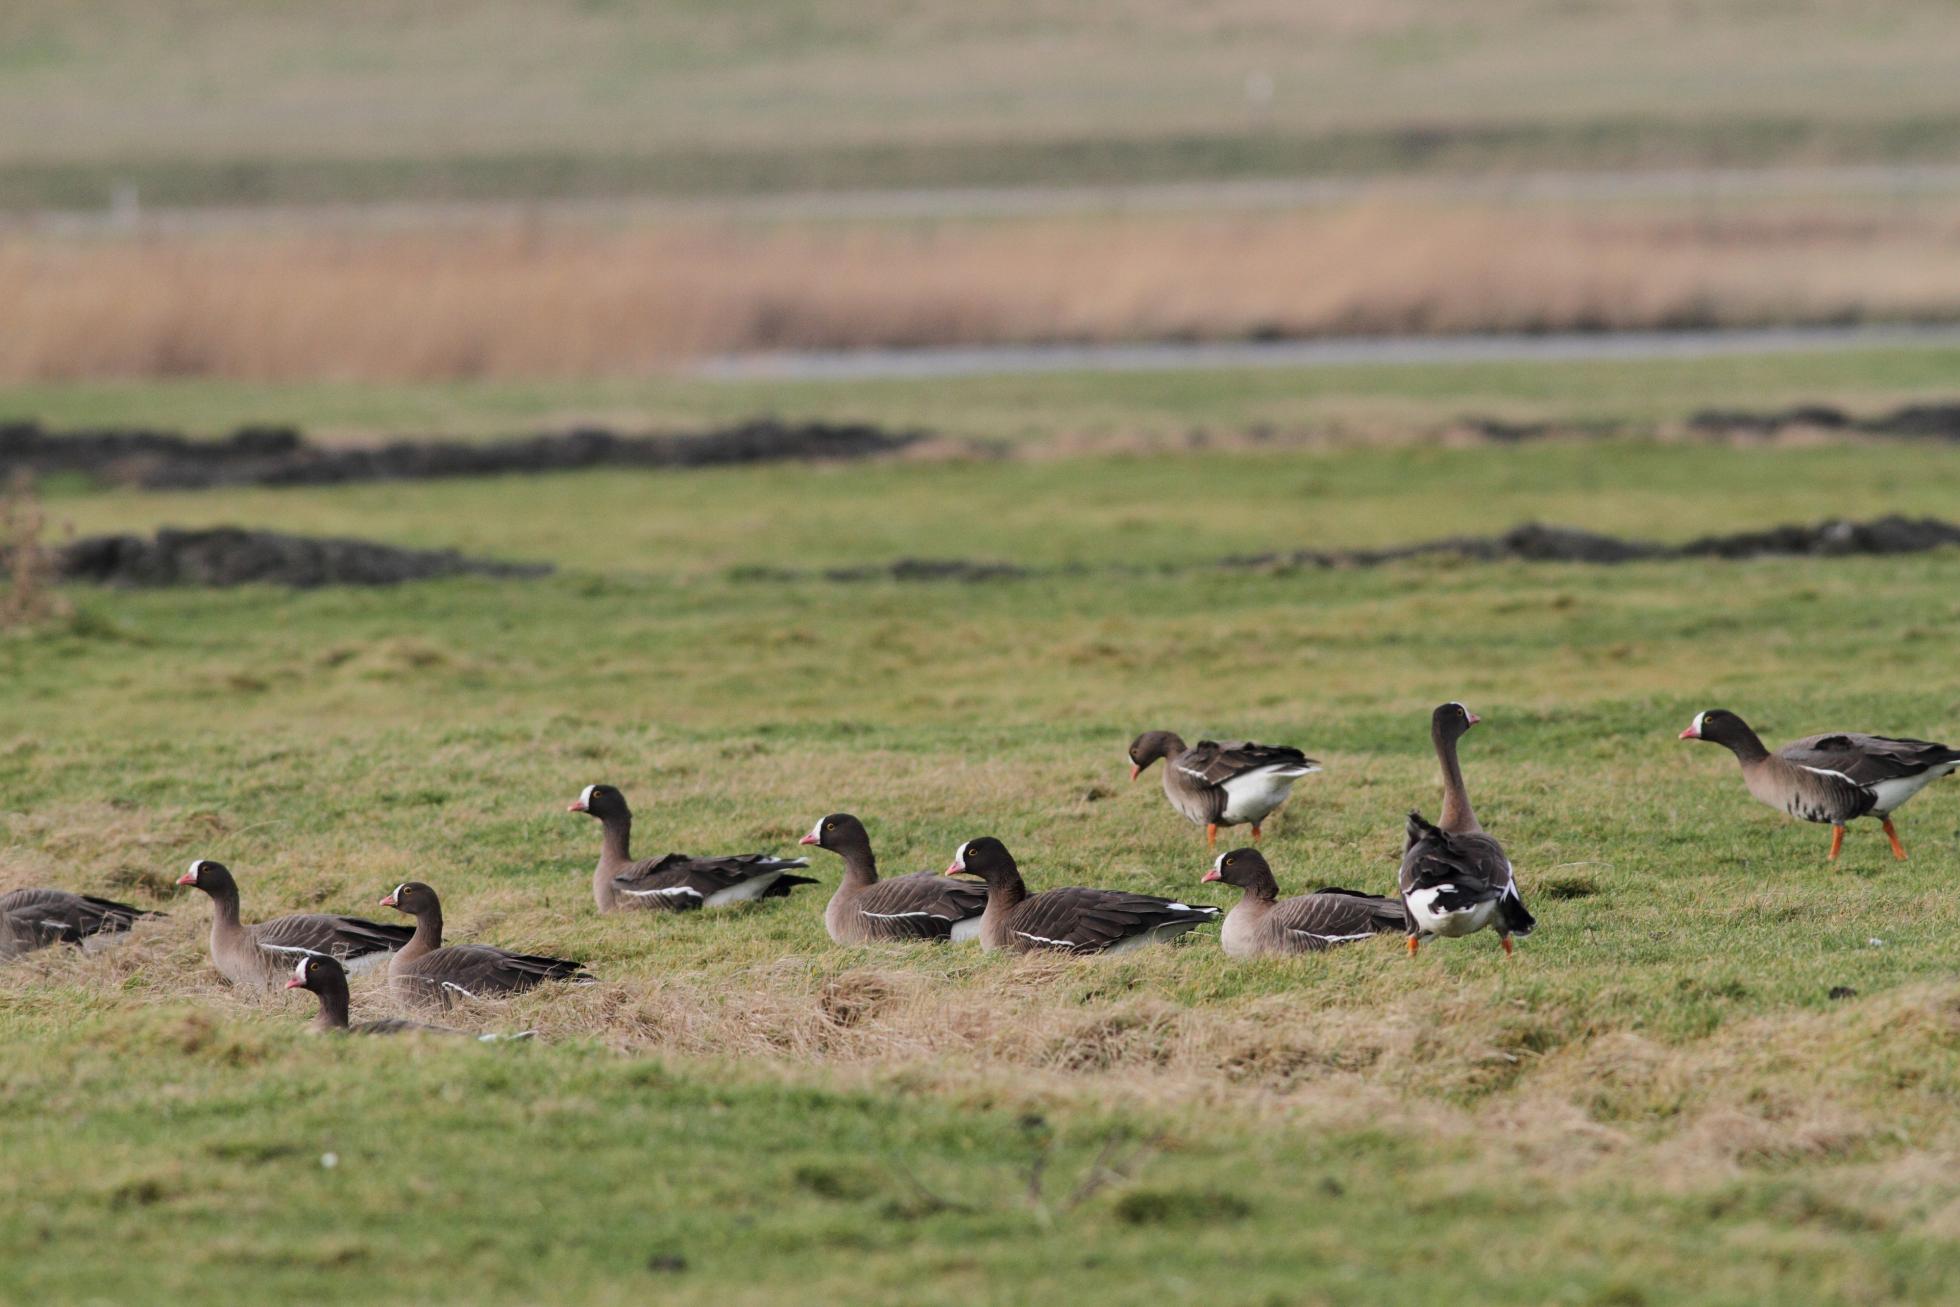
(1067, 920)
(1262, 923)
(263, 954)
(1229, 783)
(327, 980)
(36, 918)
(1456, 879)
(675, 882)
(865, 908)
(427, 973)
(1833, 778)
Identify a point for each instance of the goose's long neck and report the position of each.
(427, 937)
(224, 914)
(860, 866)
(615, 854)
(333, 1008)
(1749, 749)
(1004, 894)
(1458, 816)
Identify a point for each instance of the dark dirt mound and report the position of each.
(281, 456)
(228, 555)
(1530, 543)
(1924, 421)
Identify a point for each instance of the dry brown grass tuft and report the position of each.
(29, 598)
(575, 298)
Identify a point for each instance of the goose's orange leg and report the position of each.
(1837, 842)
(1211, 835)
(1505, 940)
(1255, 832)
(1412, 946)
(1891, 833)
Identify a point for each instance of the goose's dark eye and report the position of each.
(830, 825)
(1230, 861)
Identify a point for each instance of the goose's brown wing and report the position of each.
(1090, 920)
(326, 935)
(678, 883)
(37, 917)
(923, 905)
(481, 971)
(1868, 759)
(1215, 762)
(1328, 917)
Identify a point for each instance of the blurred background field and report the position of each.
(1722, 1073)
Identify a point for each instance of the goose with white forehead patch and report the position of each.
(327, 980)
(1070, 920)
(263, 954)
(922, 905)
(1456, 880)
(1834, 778)
(1215, 784)
(33, 919)
(675, 882)
(1261, 923)
(427, 972)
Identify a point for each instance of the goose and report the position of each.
(327, 979)
(676, 882)
(1261, 923)
(1455, 879)
(261, 954)
(1833, 778)
(865, 908)
(1071, 920)
(1229, 784)
(426, 972)
(35, 918)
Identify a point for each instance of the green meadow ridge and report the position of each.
(1719, 1072)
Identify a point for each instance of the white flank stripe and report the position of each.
(1043, 939)
(662, 893)
(293, 948)
(895, 916)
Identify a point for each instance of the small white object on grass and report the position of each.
(329, 1160)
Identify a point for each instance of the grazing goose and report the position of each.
(262, 954)
(1216, 784)
(675, 883)
(1832, 778)
(426, 972)
(1261, 923)
(328, 980)
(865, 908)
(35, 918)
(1066, 920)
(1455, 879)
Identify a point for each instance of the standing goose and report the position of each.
(1261, 923)
(675, 883)
(1455, 879)
(35, 918)
(1832, 778)
(1216, 784)
(1066, 920)
(327, 979)
(865, 908)
(426, 972)
(262, 954)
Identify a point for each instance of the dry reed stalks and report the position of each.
(30, 598)
(569, 298)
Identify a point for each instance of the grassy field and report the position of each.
(1141, 411)
(1657, 1100)
(216, 101)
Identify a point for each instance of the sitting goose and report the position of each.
(263, 953)
(1216, 784)
(426, 972)
(328, 980)
(1262, 924)
(1455, 879)
(1832, 778)
(1071, 920)
(35, 918)
(918, 906)
(675, 883)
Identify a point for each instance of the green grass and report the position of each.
(1361, 400)
(367, 99)
(1655, 1101)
